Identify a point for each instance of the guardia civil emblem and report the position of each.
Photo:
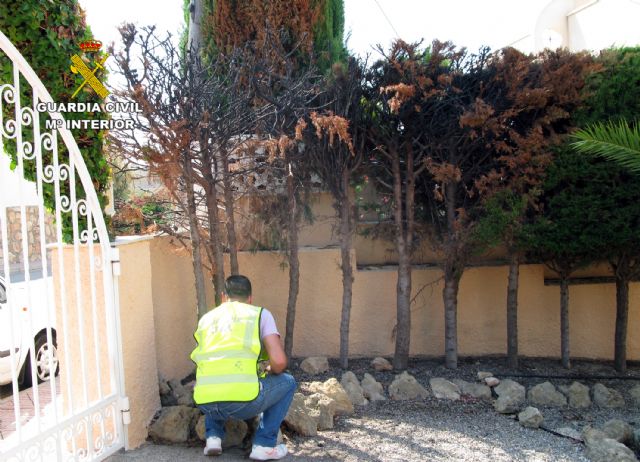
(89, 76)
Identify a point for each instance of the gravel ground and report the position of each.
(436, 430)
(429, 430)
(465, 430)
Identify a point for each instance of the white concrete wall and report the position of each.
(604, 24)
(582, 25)
(14, 190)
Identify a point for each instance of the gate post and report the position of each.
(134, 298)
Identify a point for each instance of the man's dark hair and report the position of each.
(237, 287)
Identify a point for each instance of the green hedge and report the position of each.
(47, 34)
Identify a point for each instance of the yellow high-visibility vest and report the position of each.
(227, 354)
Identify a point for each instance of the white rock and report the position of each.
(174, 424)
(443, 389)
(356, 394)
(200, 429)
(492, 381)
(530, 417)
(326, 408)
(618, 430)
(175, 385)
(189, 386)
(372, 389)
(351, 385)
(590, 434)
(599, 448)
(545, 394)
(315, 365)
(578, 395)
(349, 377)
(182, 393)
(234, 432)
(607, 397)
(335, 391)
(484, 375)
(475, 390)
(381, 364)
(510, 397)
(405, 386)
(300, 418)
(163, 386)
(608, 450)
(510, 387)
(186, 401)
(506, 406)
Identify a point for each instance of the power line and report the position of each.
(387, 18)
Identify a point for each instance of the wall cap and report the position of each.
(125, 240)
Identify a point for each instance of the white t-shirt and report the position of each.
(267, 324)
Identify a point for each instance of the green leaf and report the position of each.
(615, 141)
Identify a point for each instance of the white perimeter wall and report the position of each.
(14, 190)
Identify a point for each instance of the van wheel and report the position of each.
(46, 355)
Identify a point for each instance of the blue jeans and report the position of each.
(273, 401)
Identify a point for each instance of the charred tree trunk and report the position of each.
(231, 222)
(452, 275)
(294, 263)
(403, 286)
(622, 320)
(512, 311)
(215, 244)
(193, 48)
(450, 299)
(196, 249)
(403, 300)
(346, 229)
(564, 320)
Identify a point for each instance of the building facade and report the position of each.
(583, 25)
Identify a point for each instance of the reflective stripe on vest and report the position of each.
(227, 354)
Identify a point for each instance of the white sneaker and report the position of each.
(265, 453)
(213, 447)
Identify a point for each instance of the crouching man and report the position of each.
(230, 382)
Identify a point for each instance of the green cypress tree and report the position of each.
(614, 102)
(590, 205)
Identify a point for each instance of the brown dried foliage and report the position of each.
(332, 125)
(236, 22)
(443, 172)
(128, 215)
(401, 93)
(277, 147)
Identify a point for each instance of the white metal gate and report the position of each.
(58, 290)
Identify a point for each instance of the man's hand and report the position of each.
(264, 366)
(277, 357)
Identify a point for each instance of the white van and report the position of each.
(27, 329)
